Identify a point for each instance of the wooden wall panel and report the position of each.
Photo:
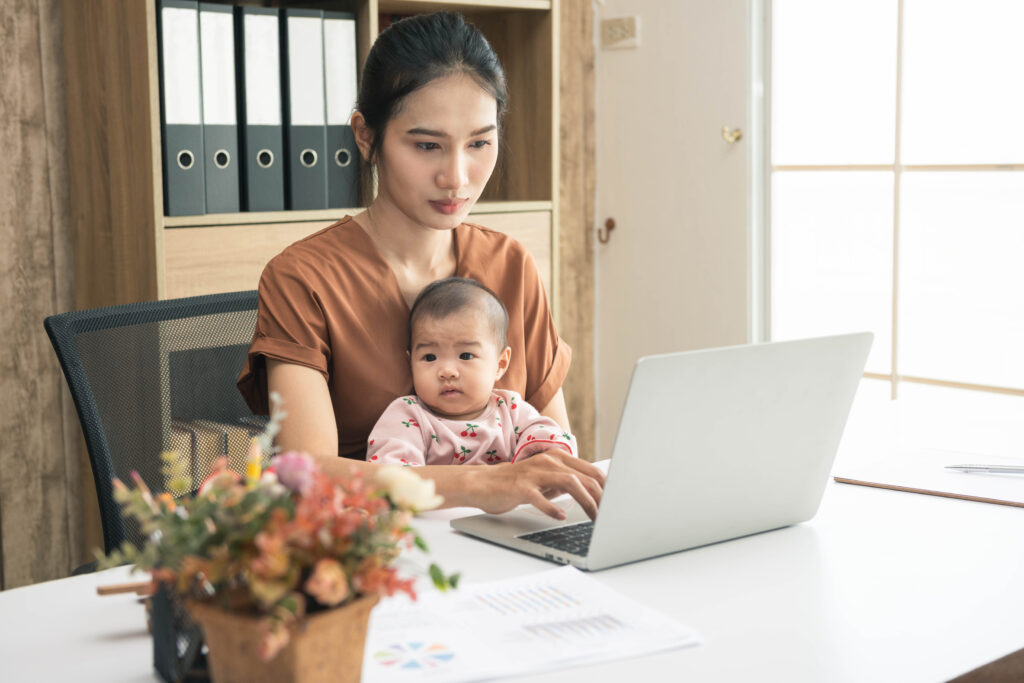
(575, 289)
(40, 526)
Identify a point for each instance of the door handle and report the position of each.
(731, 135)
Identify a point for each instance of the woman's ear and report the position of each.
(363, 134)
(503, 360)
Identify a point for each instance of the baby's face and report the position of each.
(455, 363)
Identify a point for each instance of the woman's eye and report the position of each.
(479, 144)
(426, 146)
(465, 355)
(429, 357)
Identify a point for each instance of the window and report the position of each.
(897, 203)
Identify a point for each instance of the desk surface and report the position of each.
(879, 586)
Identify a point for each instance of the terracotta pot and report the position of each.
(326, 646)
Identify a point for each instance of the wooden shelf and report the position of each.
(420, 6)
(263, 218)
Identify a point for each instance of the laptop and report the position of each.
(712, 445)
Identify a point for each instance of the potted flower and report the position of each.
(280, 568)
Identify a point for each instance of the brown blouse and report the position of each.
(332, 303)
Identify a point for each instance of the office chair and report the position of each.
(156, 376)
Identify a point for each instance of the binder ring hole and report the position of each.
(308, 158)
(265, 158)
(186, 160)
(343, 157)
(221, 158)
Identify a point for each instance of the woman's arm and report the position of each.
(556, 410)
(310, 427)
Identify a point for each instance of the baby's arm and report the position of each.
(397, 439)
(536, 433)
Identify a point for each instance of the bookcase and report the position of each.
(126, 249)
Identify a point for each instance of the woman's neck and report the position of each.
(406, 246)
(417, 255)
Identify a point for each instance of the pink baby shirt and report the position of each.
(509, 429)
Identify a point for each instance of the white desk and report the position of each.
(880, 586)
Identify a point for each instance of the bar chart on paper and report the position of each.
(541, 622)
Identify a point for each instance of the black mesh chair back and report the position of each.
(153, 377)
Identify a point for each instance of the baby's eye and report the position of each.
(429, 357)
(426, 146)
(466, 355)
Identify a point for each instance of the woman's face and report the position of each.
(439, 151)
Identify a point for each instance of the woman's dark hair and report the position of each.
(442, 298)
(416, 50)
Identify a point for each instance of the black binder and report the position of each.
(220, 119)
(341, 86)
(258, 36)
(181, 107)
(305, 114)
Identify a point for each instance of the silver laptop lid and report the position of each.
(725, 442)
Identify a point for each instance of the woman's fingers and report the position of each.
(555, 473)
(539, 478)
(550, 509)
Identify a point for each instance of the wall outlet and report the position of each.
(620, 32)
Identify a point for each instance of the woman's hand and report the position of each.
(545, 476)
(499, 488)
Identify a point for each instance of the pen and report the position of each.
(993, 469)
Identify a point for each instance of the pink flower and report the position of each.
(295, 471)
(275, 638)
(328, 583)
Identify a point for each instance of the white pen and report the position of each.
(988, 469)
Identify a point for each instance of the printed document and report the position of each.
(553, 619)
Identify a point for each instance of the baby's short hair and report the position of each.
(442, 298)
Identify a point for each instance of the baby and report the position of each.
(458, 351)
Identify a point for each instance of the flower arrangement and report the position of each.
(278, 543)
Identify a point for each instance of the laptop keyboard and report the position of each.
(574, 538)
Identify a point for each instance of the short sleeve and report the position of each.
(290, 326)
(536, 433)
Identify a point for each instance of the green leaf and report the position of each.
(420, 543)
(437, 576)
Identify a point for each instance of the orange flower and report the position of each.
(167, 501)
(328, 583)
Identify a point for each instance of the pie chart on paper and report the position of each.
(413, 656)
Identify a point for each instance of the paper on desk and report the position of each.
(924, 471)
(540, 622)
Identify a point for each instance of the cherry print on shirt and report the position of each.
(409, 401)
(492, 455)
(463, 454)
(470, 429)
(411, 423)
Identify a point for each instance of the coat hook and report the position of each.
(604, 235)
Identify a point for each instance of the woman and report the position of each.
(332, 331)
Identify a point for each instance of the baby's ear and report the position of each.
(504, 358)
